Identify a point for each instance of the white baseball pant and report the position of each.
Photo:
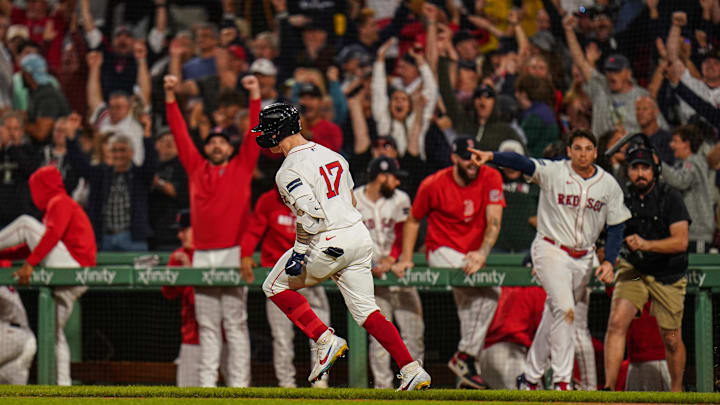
(565, 280)
(283, 333)
(402, 305)
(351, 271)
(648, 376)
(188, 365)
(17, 350)
(28, 230)
(218, 309)
(475, 305)
(501, 363)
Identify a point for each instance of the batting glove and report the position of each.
(294, 265)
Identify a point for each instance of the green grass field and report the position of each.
(144, 395)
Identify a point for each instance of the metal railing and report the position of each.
(116, 270)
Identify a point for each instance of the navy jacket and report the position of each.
(100, 179)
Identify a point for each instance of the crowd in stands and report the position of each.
(81, 89)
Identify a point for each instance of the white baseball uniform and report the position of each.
(401, 304)
(572, 211)
(18, 344)
(315, 179)
(28, 230)
(538, 356)
(218, 309)
(475, 306)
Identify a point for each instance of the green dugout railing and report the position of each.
(116, 270)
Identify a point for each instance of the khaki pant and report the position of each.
(668, 300)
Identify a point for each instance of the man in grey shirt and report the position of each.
(613, 94)
(690, 175)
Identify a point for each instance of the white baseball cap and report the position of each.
(511, 145)
(263, 67)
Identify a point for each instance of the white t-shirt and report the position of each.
(312, 170)
(573, 211)
(128, 126)
(380, 218)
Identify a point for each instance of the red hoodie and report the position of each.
(219, 195)
(274, 223)
(64, 220)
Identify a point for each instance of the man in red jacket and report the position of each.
(219, 202)
(64, 239)
(274, 223)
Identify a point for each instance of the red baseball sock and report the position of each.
(387, 334)
(296, 307)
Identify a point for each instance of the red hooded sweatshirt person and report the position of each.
(64, 219)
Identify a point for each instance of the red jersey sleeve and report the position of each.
(257, 226)
(187, 152)
(421, 205)
(397, 244)
(57, 219)
(250, 150)
(495, 194)
(18, 252)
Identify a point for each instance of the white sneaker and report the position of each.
(321, 382)
(330, 347)
(413, 377)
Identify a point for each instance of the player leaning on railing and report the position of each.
(64, 239)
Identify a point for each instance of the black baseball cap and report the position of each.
(123, 29)
(484, 90)
(217, 131)
(383, 141)
(713, 53)
(182, 220)
(463, 35)
(309, 89)
(385, 165)
(616, 63)
(460, 146)
(641, 155)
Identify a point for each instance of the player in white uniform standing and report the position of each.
(384, 210)
(577, 200)
(18, 345)
(331, 242)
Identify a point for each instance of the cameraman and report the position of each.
(653, 263)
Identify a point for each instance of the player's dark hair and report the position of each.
(581, 133)
(690, 133)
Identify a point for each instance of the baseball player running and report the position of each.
(577, 200)
(18, 341)
(464, 206)
(274, 223)
(219, 201)
(64, 239)
(331, 242)
(384, 210)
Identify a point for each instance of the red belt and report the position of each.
(574, 253)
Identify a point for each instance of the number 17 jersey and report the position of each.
(314, 168)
